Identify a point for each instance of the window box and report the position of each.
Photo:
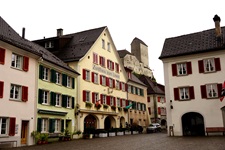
(120, 108)
(125, 109)
(105, 106)
(98, 106)
(120, 133)
(88, 104)
(113, 107)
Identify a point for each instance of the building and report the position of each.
(102, 92)
(194, 72)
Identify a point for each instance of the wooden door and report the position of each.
(24, 132)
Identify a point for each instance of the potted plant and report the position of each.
(125, 109)
(36, 137)
(44, 138)
(120, 108)
(113, 107)
(105, 106)
(98, 106)
(88, 104)
(76, 134)
(67, 135)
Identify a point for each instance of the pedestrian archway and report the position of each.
(109, 123)
(193, 124)
(122, 122)
(90, 123)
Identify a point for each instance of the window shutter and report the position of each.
(108, 64)
(53, 76)
(41, 70)
(1, 89)
(201, 66)
(149, 110)
(219, 87)
(73, 101)
(126, 87)
(159, 110)
(100, 60)
(217, 64)
(101, 97)
(62, 125)
(176, 94)
(189, 68)
(73, 83)
(121, 102)
(108, 100)
(107, 81)
(84, 74)
(51, 125)
(84, 96)
(93, 77)
(24, 93)
(53, 99)
(39, 124)
(40, 93)
(114, 101)
(120, 85)
(113, 83)
(93, 97)
(203, 91)
(158, 99)
(174, 69)
(112, 65)
(2, 56)
(149, 99)
(64, 80)
(101, 79)
(12, 126)
(25, 63)
(127, 102)
(191, 91)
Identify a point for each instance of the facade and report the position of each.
(194, 72)
(102, 92)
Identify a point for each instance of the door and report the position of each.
(24, 132)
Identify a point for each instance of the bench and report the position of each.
(215, 129)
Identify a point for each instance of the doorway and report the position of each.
(24, 132)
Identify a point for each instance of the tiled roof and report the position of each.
(153, 87)
(10, 36)
(123, 53)
(194, 43)
(79, 44)
(140, 41)
(135, 79)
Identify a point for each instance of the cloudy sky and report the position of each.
(150, 21)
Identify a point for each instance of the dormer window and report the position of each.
(49, 44)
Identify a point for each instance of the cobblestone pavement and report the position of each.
(155, 141)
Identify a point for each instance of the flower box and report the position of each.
(120, 133)
(127, 132)
(135, 132)
(102, 134)
(112, 133)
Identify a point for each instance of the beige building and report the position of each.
(194, 73)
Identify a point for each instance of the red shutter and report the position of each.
(159, 110)
(101, 96)
(149, 110)
(114, 99)
(113, 83)
(191, 91)
(93, 76)
(1, 89)
(12, 126)
(189, 68)
(127, 102)
(200, 66)
(24, 93)
(148, 99)
(96, 58)
(176, 94)
(120, 85)
(93, 97)
(126, 87)
(158, 99)
(174, 69)
(108, 100)
(25, 63)
(107, 81)
(219, 88)
(100, 60)
(101, 79)
(203, 91)
(84, 96)
(84, 74)
(2, 56)
(112, 65)
(121, 102)
(107, 63)
(217, 64)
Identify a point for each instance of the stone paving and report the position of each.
(152, 141)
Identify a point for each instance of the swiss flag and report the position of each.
(222, 92)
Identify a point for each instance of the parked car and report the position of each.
(154, 127)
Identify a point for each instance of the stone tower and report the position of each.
(140, 50)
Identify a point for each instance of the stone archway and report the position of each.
(193, 124)
(90, 123)
(109, 123)
(122, 122)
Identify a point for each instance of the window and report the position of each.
(143, 107)
(149, 99)
(211, 90)
(108, 46)
(110, 65)
(49, 44)
(181, 69)
(104, 99)
(3, 126)
(95, 58)
(45, 74)
(2, 56)
(122, 86)
(123, 103)
(139, 106)
(44, 125)
(86, 75)
(117, 85)
(57, 125)
(102, 61)
(130, 102)
(141, 92)
(45, 97)
(102, 80)
(15, 92)
(86, 96)
(103, 44)
(94, 97)
(118, 102)
(209, 65)
(111, 101)
(94, 77)
(16, 61)
(149, 110)
(184, 93)
(58, 99)
(69, 103)
(58, 78)
(161, 99)
(69, 80)
(110, 82)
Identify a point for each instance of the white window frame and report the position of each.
(104, 80)
(58, 99)
(139, 106)
(123, 103)
(45, 97)
(15, 92)
(118, 102)
(69, 102)
(16, 61)
(69, 80)
(96, 97)
(209, 65)
(123, 86)
(45, 73)
(184, 93)
(111, 101)
(95, 58)
(57, 125)
(44, 125)
(96, 78)
(102, 61)
(117, 84)
(211, 90)
(87, 73)
(88, 96)
(58, 78)
(4, 123)
(111, 82)
(182, 69)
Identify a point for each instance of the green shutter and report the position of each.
(62, 125)
(40, 93)
(64, 81)
(64, 100)
(53, 76)
(41, 70)
(51, 125)
(39, 125)
(73, 102)
(52, 98)
(73, 83)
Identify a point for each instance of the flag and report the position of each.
(222, 92)
(128, 106)
(98, 102)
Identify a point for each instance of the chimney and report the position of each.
(59, 32)
(217, 27)
(23, 33)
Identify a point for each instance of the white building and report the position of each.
(194, 72)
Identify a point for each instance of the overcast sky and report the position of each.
(150, 21)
